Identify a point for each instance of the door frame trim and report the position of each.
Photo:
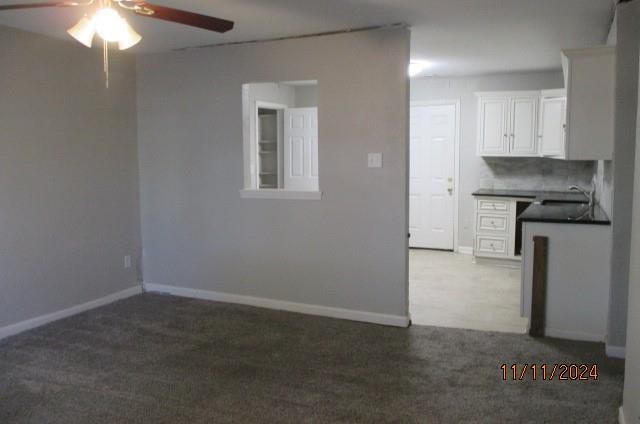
(255, 147)
(456, 162)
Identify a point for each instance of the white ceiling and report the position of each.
(461, 37)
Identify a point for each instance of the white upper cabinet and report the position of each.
(507, 123)
(572, 124)
(524, 114)
(590, 82)
(493, 137)
(552, 123)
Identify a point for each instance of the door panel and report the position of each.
(297, 156)
(301, 149)
(493, 126)
(523, 137)
(552, 126)
(431, 204)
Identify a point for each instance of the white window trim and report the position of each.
(251, 190)
(283, 194)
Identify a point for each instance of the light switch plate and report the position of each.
(374, 160)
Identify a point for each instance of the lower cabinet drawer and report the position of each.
(491, 246)
(494, 205)
(492, 223)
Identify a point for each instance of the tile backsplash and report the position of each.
(535, 173)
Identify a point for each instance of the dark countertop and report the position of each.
(564, 213)
(552, 206)
(535, 195)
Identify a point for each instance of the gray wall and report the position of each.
(68, 175)
(307, 96)
(628, 40)
(477, 172)
(347, 250)
(632, 365)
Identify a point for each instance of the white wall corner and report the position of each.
(621, 419)
(282, 305)
(612, 36)
(13, 329)
(615, 351)
(465, 250)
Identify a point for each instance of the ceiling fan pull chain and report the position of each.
(105, 52)
(105, 43)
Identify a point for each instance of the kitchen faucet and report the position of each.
(589, 194)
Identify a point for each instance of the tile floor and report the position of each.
(449, 290)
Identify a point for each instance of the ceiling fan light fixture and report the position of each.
(113, 28)
(129, 37)
(109, 24)
(83, 31)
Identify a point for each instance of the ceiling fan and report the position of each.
(107, 23)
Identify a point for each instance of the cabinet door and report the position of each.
(552, 126)
(523, 139)
(492, 126)
(591, 87)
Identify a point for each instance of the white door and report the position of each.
(431, 185)
(523, 137)
(301, 149)
(552, 126)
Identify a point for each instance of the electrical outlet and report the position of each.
(127, 261)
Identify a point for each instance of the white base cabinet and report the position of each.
(496, 228)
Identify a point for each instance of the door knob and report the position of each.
(450, 185)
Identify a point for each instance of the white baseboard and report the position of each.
(29, 324)
(615, 351)
(573, 335)
(303, 308)
(465, 250)
(621, 418)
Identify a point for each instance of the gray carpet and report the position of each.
(162, 359)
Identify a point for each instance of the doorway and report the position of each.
(446, 287)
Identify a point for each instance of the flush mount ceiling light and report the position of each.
(106, 22)
(416, 67)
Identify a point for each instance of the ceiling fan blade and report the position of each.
(182, 17)
(41, 5)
